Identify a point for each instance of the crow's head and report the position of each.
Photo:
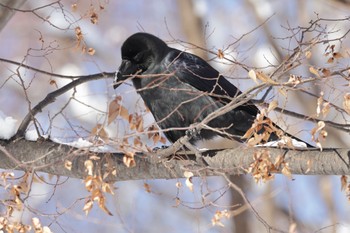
(140, 52)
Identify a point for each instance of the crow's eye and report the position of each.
(142, 67)
(138, 58)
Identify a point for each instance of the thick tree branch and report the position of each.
(49, 157)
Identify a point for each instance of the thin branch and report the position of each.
(20, 65)
(51, 97)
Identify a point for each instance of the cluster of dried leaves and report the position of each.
(331, 56)
(262, 128)
(318, 133)
(10, 227)
(135, 120)
(81, 42)
(92, 14)
(97, 188)
(17, 191)
(263, 169)
(136, 124)
(218, 216)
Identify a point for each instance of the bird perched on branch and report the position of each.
(181, 89)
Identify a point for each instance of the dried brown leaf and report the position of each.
(346, 103)
(188, 182)
(137, 141)
(294, 80)
(178, 184)
(36, 224)
(89, 166)
(326, 109)
(326, 72)
(272, 105)
(46, 230)
(116, 109)
(286, 171)
(152, 131)
(266, 79)
(320, 125)
(89, 181)
(337, 55)
(292, 228)
(102, 205)
(129, 160)
(249, 133)
(147, 187)
(278, 161)
(252, 75)
(162, 140)
(106, 188)
(330, 60)
(99, 131)
(53, 83)
(94, 18)
(314, 71)
(188, 174)
(74, 7)
(323, 134)
(319, 145)
(88, 206)
(256, 139)
(94, 157)
(220, 54)
(136, 122)
(177, 202)
(308, 54)
(68, 165)
(309, 165)
(343, 182)
(216, 220)
(91, 51)
(156, 138)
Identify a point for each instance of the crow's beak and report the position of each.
(125, 69)
(118, 78)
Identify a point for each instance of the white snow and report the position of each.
(283, 141)
(32, 135)
(7, 126)
(82, 143)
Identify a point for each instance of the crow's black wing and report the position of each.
(198, 73)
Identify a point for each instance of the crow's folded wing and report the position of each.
(198, 73)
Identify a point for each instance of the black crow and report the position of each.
(181, 89)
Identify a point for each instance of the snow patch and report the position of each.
(7, 126)
(32, 135)
(295, 143)
(82, 143)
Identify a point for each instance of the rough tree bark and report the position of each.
(49, 157)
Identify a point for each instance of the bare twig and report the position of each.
(50, 98)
